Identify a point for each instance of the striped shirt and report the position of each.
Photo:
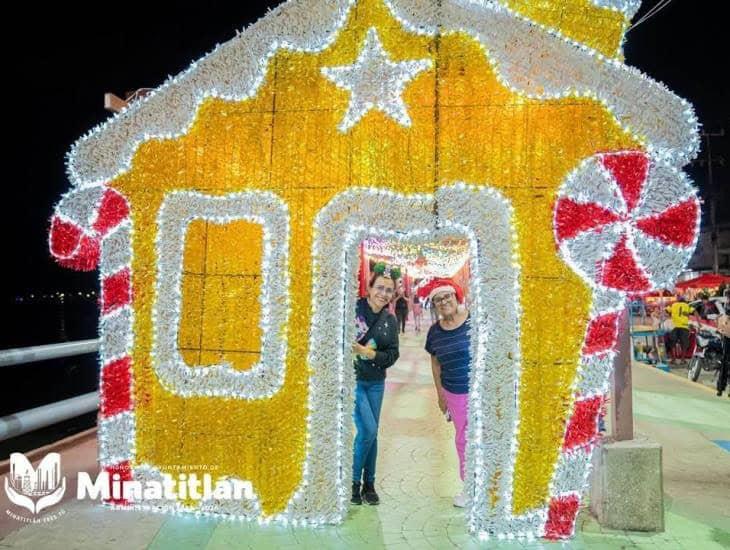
(452, 350)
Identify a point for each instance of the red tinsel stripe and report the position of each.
(572, 218)
(112, 211)
(676, 225)
(602, 334)
(65, 237)
(630, 171)
(115, 388)
(622, 272)
(583, 424)
(116, 291)
(562, 514)
(86, 258)
(71, 247)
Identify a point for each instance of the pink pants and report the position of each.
(456, 405)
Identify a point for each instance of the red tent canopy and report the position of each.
(708, 280)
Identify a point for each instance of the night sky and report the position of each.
(64, 57)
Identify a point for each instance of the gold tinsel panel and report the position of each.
(221, 284)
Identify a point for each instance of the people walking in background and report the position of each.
(417, 311)
(680, 312)
(401, 310)
(432, 311)
(723, 327)
(706, 308)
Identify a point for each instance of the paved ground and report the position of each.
(708, 379)
(693, 426)
(418, 476)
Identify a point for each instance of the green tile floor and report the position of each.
(417, 476)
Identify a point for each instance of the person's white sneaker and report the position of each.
(460, 500)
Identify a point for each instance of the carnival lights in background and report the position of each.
(211, 224)
(433, 259)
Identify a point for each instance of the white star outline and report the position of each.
(375, 82)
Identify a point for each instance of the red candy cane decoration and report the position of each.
(91, 227)
(625, 223)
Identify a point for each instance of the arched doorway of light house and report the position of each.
(480, 217)
(415, 456)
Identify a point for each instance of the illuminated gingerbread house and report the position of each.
(224, 212)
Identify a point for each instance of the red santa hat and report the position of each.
(439, 284)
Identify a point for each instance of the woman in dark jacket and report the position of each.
(375, 350)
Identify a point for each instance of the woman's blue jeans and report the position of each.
(368, 400)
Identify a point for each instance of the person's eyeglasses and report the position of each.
(442, 299)
(384, 289)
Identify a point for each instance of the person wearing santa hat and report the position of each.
(448, 343)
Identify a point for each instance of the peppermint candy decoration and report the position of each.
(626, 222)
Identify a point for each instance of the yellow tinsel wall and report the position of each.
(286, 140)
(221, 283)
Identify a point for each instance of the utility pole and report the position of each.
(714, 234)
(622, 419)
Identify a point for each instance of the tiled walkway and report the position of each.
(417, 476)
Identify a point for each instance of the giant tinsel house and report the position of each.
(224, 212)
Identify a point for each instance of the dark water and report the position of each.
(31, 323)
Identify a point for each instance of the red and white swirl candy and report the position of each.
(626, 222)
